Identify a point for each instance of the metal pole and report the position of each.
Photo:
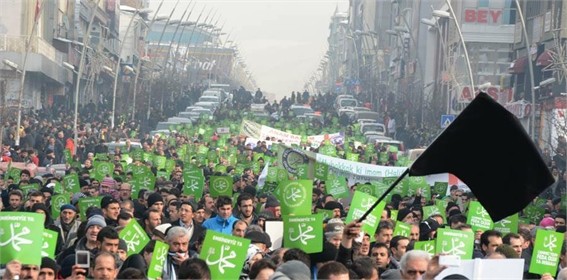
(23, 78)
(80, 73)
(530, 68)
(154, 63)
(117, 67)
(139, 65)
(463, 43)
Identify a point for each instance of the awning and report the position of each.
(518, 66)
(545, 58)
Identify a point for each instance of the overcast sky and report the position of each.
(282, 41)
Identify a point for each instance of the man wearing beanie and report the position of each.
(110, 209)
(48, 269)
(155, 202)
(68, 224)
(89, 242)
(273, 206)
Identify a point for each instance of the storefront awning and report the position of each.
(545, 58)
(518, 66)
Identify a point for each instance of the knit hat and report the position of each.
(403, 213)
(67, 207)
(293, 269)
(76, 197)
(49, 263)
(153, 198)
(547, 223)
(428, 226)
(272, 201)
(256, 237)
(96, 220)
(250, 190)
(122, 245)
(46, 189)
(107, 200)
(107, 181)
(334, 226)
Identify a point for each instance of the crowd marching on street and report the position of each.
(197, 203)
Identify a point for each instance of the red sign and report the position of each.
(483, 16)
(502, 96)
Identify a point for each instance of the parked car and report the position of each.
(122, 144)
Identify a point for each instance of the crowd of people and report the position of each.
(168, 214)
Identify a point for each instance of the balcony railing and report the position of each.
(38, 45)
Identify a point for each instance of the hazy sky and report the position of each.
(281, 41)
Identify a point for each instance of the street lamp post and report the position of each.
(139, 65)
(23, 72)
(530, 68)
(85, 42)
(451, 15)
(117, 67)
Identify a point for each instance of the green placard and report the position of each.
(134, 236)
(547, 250)
(327, 214)
(137, 154)
(159, 256)
(507, 225)
(146, 181)
(49, 243)
(337, 186)
(302, 171)
(321, 171)
(533, 213)
(304, 232)
(418, 185)
(402, 229)
(15, 174)
(56, 202)
(282, 175)
(85, 203)
(162, 174)
(58, 188)
(159, 162)
(272, 174)
(71, 184)
(440, 188)
(430, 210)
(67, 155)
(478, 218)
(169, 165)
(393, 215)
(220, 185)
(427, 246)
(455, 242)
(103, 169)
(360, 203)
(193, 185)
(295, 197)
(27, 188)
(20, 235)
(224, 254)
(367, 189)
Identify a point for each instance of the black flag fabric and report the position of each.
(489, 150)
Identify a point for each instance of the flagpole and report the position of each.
(392, 186)
(28, 43)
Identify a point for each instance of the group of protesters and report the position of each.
(167, 214)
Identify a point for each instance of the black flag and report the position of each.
(489, 150)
